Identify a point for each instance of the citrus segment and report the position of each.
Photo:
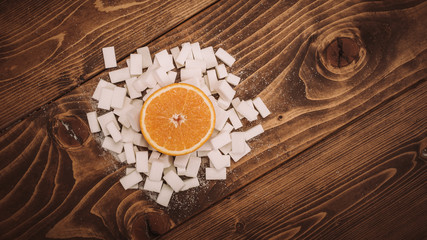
(177, 119)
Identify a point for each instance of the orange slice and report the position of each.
(177, 119)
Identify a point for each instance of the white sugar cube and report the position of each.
(162, 77)
(253, 132)
(114, 131)
(129, 152)
(238, 142)
(148, 94)
(139, 84)
(198, 64)
(141, 161)
(225, 57)
(181, 171)
(209, 57)
(181, 161)
(154, 155)
(197, 52)
(128, 171)
(224, 104)
(183, 54)
(232, 79)
(133, 117)
(119, 75)
(216, 158)
(192, 81)
(146, 56)
(126, 106)
(172, 76)
(247, 111)
(109, 57)
(105, 119)
(119, 95)
(154, 186)
(225, 91)
(260, 106)
(164, 195)
(221, 118)
(139, 140)
(122, 157)
(220, 140)
(234, 119)
(193, 166)
(135, 64)
(251, 105)
(212, 79)
(226, 148)
(221, 71)
(190, 183)
(105, 99)
(131, 179)
(173, 180)
(165, 60)
(175, 53)
(227, 128)
(216, 174)
(93, 122)
(189, 73)
(205, 147)
(166, 160)
(205, 89)
(235, 103)
(127, 134)
(156, 171)
(101, 85)
(170, 168)
(133, 93)
(237, 156)
(147, 79)
(203, 153)
(109, 144)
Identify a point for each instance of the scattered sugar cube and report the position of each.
(260, 106)
(235, 103)
(109, 57)
(190, 183)
(139, 140)
(226, 148)
(193, 166)
(221, 118)
(141, 161)
(105, 99)
(135, 64)
(101, 85)
(119, 95)
(105, 119)
(166, 160)
(109, 144)
(197, 52)
(154, 186)
(198, 64)
(205, 147)
(227, 128)
(130, 154)
(221, 71)
(216, 158)
(232, 79)
(164, 195)
(209, 57)
(224, 104)
(93, 122)
(216, 174)
(133, 93)
(128, 171)
(225, 91)
(146, 56)
(172, 76)
(156, 171)
(173, 180)
(127, 134)
(114, 131)
(253, 132)
(238, 142)
(122, 157)
(154, 155)
(247, 111)
(220, 140)
(165, 60)
(131, 179)
(203, 153)
(237, 156)
(212, 79)
(189, 73)
(148, 79)
(119, 75)
(175, 53)
(183, 54)
(225, 57)
(181, 171)
(234, 119)
(181, 161)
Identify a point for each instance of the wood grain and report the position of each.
(48, 48)
(370, 186)
(58, 183)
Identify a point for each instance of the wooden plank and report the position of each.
(366, 181)
(50, 47)
(57, 182)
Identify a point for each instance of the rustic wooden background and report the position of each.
(344, 152)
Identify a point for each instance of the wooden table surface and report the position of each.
(344, 151)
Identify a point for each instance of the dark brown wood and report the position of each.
(48, 48)
(369, 186)
(57, 182)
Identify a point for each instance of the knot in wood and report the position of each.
(342, 51)
(69, 131)
(240, 227)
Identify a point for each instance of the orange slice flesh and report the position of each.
(177, 119)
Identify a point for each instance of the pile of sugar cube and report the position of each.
(120, 101)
